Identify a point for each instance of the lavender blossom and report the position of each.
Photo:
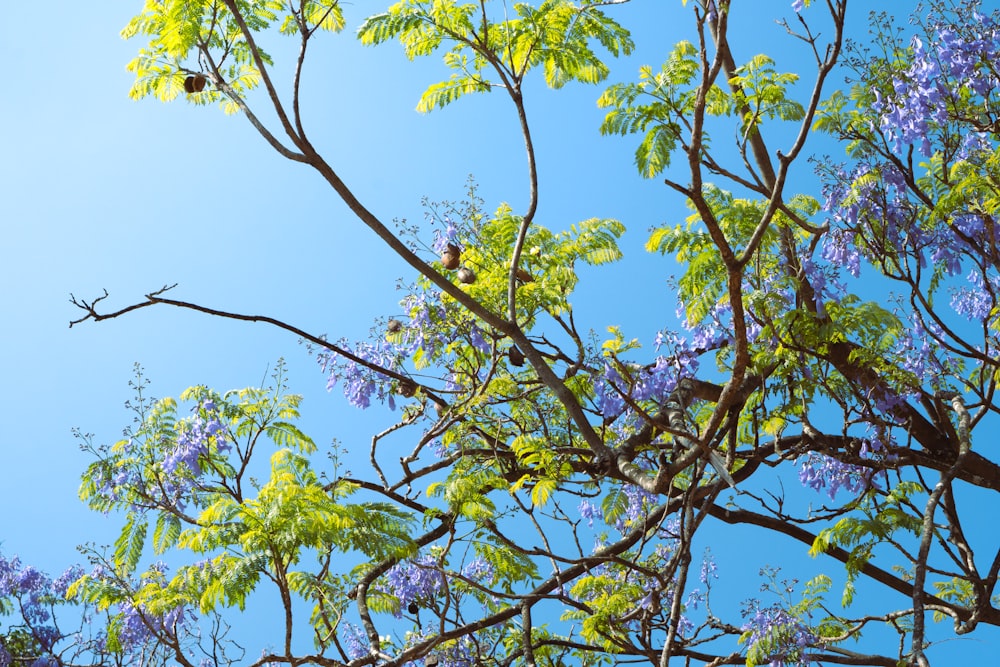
(819, 472)
(771, 633)
(443, 239)
(413, 581)
(195, 438)
(976, 301)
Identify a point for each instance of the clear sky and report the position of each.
(99, 192)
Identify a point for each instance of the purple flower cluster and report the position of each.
(421, 332)
(840, 249)
(631, 507)
(589, 511)
(819, 472)
(417, 580)
(639, 503)
(776, 635)
(919, 100)
(875, 197)
(872, 215)
(137, 628)
(925, 94)
(714, 331)
(122, 477)
(36, 597)
(917, 353)
(443, 239)
(117, 479)
(195, 438)
(360, 382)
(478, 569)
(824, 278)
(429, 331)
(634, 506)
(645, 383)
(355, 642)
(977, 300)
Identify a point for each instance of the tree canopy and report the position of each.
(547, 495)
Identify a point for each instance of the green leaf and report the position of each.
(166, 532)
(129, 545)
(441, 94)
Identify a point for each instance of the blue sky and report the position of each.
(99, 192)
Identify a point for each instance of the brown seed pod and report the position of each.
(194, 83)
(407, 389)
(466, 275)
(516, 356)
(431, 661)
(524, 276)
(412, 608)
(451, 257)
(393, 326)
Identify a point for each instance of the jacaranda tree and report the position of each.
(540, 494)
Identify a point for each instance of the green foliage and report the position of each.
(761, 93)
(549, 260)
(187, 38)
(484, 53)
(128, 547)
(657, 105)
(466, 493)
(244, 536)
(861, 535)
(610, 598)
(956, 590)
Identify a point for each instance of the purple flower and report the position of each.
(477, 570)
(974, 302)
(589, 511)
(360, 382)
(709, 570)
(195, 438)
(819, 471)
(839, 249)
(916, 351)
(456, 653)
(608, 390)
(413, 581)
(772, 632)
(355, 642)
(924, 95)
(448, 237)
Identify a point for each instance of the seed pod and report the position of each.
(524, 276)
(431, 661)
(407, 389)
(451, 257)
(194, 83)
(516, 356)
(466, 275)
(413, 608)
(393, 326)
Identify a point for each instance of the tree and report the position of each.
(527, 441)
